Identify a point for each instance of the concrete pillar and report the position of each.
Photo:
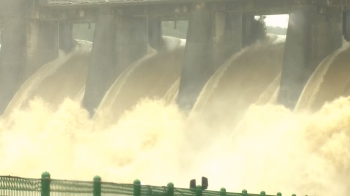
(247, 29)
(155, 37)
(227, 37)
(66, 41)
(326, 35)
(132, 40)
(13, 50)
(234, 34)
(102, 68)
(220, 42)
(42, 44)
(118, 42)
(198, 62)
(346, 25)
(211, 39)
(312, 35)
(1, 34)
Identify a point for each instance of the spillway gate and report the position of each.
(33, 32)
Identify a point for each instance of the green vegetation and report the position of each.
(276, 30)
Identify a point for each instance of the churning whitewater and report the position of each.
(261, 147)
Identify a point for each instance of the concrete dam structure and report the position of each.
(33, 32)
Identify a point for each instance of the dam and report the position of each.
(124, 30)
(247, 108)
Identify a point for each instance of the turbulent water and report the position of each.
(271, 148)
(151, 76)
(57, 80)
(240, 82)
(330, 81)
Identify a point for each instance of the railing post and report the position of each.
(170, 189)
(222, 192)
(97, 186)
(262, 193)
(137, 188)
(279, 194)
(45, 184)
(199, 190)
(244, 192)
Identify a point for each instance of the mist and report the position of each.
(237, 133)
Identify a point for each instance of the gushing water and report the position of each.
(240, 82)
(61, 78)
(328, 82)
(271, 148)
(151, 76)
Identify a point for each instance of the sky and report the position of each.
(277, 20)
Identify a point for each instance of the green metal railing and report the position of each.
(12, 186)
